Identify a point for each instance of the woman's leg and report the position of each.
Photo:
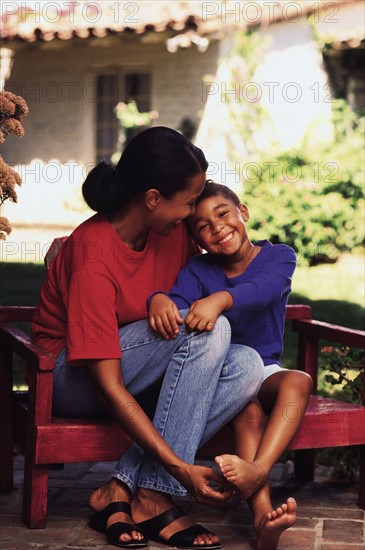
(191, 376)
(194, 363)
(187, 362)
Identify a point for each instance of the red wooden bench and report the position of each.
(27, 419)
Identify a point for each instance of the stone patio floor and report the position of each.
(328, 515)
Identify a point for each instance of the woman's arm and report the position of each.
(107, 377)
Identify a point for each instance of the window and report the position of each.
(112, 88)
(345, 69)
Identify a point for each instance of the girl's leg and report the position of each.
(249, 427)
(286, 395)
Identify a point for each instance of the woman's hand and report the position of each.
(164, 316)
(204, 313)
(197, 480)
(108, 381)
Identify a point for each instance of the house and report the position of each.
(74, 61)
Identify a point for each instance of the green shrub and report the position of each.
(310, 197)
(341, 373)
(341, 370)
(312, 201)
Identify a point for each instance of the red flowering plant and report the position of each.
(12, 109)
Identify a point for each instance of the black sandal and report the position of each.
(98, 522)
(182, 539)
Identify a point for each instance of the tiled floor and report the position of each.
(328, 515)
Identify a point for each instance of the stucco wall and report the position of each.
(58, 82)
(57, 79)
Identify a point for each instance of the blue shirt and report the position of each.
(259, 295)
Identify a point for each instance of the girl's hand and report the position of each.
(164, 316)
(204, 313)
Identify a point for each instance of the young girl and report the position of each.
(250, 283)
(92, 316)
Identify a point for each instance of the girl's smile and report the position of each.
(219, 227)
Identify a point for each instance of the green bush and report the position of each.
(341, 369)
(341, 373)
(312, 200)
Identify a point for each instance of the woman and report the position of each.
(92, 315)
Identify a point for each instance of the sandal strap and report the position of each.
(120, 527)
(120, 506)
(99, 520)
(186, 537)
(157, 523)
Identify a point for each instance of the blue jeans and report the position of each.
(206, 382)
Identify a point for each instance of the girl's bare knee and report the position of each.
(303, 380)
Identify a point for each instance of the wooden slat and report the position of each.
(80, 441)
(330, 423)
(327, 423)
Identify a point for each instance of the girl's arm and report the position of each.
(268, 284)
(107, 377)
(204, 312)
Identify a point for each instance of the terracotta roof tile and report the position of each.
(37, 21)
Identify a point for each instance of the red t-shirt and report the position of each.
(97, 284)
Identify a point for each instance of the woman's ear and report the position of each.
(152, 198)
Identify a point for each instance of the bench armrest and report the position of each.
(16, 341)
(333, 333)
(310, 332)
(298, 311)
(12, 314)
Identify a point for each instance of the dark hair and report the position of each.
(212, 189)
(159, 158)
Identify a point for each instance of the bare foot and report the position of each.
(114, 491)
(147, 504)
(274, 524)
(247, 477)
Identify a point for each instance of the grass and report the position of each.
(20, 283)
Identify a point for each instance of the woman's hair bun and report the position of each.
(157, 158)
(101, 187)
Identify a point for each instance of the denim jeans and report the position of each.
(206, 382)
